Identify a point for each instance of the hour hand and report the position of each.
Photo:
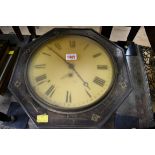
(86, 85)
(67, 75)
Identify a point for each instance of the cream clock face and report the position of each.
(70, 72)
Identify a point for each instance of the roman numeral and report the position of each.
(46, 54)
(102, 67)
(72, 44)
(96, 55)
(99, 81)
(86, 47)
(40, 66)
(68, 97)
(41, 78)
(58, 46)
(50, 91)
(40, 83)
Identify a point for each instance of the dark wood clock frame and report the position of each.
(90, 117)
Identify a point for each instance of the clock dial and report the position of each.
(70, 72)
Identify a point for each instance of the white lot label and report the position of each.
(71, 56)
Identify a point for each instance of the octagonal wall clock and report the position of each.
(70, 78)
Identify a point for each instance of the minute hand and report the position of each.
(58, 55)
(71, 66)
(84, 82)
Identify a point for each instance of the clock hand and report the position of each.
(59, 55)
(71, 66)
(67, 75)
(84, 82)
